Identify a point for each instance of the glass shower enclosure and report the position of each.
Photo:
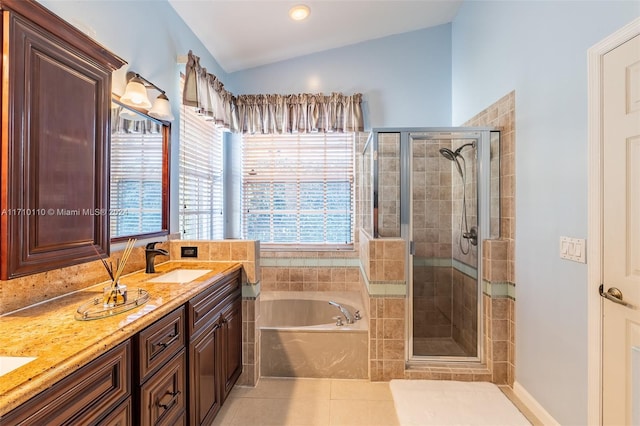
(438, 189)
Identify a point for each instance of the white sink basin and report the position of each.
(10, 363)
(180, 276)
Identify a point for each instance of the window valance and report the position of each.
(270, 113)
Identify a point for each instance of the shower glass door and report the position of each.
(443, 263)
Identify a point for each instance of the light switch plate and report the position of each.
(574, 249)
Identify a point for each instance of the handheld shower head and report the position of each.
(448, 154)
(452, 156)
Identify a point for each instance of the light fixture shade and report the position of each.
(127, 114)
(135, 94)
(161, 108)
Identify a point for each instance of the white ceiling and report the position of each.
(243, 34)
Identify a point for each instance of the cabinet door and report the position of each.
(162, 397)
(204, 390)
(232, 346)
(56, 142)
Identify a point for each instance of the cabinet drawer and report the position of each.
(83, 397)
(201, 309)
(157, 343)
(121, 416)
(162, 397)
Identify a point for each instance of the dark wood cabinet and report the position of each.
(214, 320)
(232, 345)
(160, 372)
(87, 396)
(56, 95)
(204, 366)
(177, 371)
(163, 396)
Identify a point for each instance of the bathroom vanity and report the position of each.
(170, 361)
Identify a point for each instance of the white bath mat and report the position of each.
(441, 402)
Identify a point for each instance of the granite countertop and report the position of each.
(62, 344)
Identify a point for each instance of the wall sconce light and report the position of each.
(135, 95)
(161, 108)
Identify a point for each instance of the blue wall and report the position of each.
(405, 79)
(539, 48)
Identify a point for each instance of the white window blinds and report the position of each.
(298, 190)
(201, 178)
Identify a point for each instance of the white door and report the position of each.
(621, 234)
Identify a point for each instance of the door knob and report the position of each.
(615, 295)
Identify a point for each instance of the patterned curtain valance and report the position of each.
(205, 92)
(299, 113)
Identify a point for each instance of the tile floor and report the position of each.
(309, 402)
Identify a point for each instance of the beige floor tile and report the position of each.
(286, 388)
(280, 412)
(366, 413)
(361, 390)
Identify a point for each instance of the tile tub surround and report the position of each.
(62, 344)
(299, 337)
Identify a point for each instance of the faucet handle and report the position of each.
(151, 246)
(357, 316)
(338, 320)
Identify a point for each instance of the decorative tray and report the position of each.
(95, 308)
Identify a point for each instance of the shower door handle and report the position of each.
(412, 248)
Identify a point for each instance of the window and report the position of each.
(200, 177)
(298, 190)
(139, 155)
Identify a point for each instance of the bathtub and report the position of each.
(300, 338)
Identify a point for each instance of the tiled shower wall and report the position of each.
(499, 255)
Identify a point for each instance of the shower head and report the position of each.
(448, 154)
(452, 156)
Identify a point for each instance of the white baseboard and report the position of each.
(533, 405)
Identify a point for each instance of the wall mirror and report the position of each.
(139, 175)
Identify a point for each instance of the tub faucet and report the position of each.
(344, 311)
(150, 253)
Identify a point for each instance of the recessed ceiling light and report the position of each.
(299, 12)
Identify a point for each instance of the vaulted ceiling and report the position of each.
(243, 34)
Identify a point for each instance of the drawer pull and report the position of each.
(171, 402)
(165, 344)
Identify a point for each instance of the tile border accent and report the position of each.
(499, 289)
(383, 288)
(251, 291)
(308, 262)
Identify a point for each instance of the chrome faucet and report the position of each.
(344, 311)
(150, 253)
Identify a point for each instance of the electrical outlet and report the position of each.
(188, 251)
(573, 249)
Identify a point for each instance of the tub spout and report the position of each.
(344, 311)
